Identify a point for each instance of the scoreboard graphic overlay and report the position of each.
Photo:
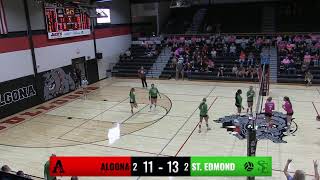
(63, 22)
(161, 166)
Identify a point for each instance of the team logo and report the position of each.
(239, 126)
(248, 166)
(58, 168)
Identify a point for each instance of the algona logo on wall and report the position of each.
(16, 95)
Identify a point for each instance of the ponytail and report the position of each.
(287, 99)
(238, 92)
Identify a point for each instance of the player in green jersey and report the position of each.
(133, 102)
(238, 102)
(47, 170)
(250, 96)
(153, 96)
(203, 107)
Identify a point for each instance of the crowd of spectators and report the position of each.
(7, 174)
(298, 54)
(201, 54)
(151, 49)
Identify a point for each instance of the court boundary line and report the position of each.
(91, 118)
(149, 136)
(315, 108)
(112, 147)
(193, 131)
(123, 122)
(151, 123)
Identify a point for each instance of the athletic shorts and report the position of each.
(238, 106)
(250, 102)
(131, 102)
(205, 116)
(154, 97)
(268, 114)
(289, 114)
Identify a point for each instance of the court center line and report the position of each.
(160, 153)
(92, 118)
(193, 130)
(184, 124)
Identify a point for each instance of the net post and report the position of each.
(251, 136)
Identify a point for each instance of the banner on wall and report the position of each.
(17, 95)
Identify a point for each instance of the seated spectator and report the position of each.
(221, 70)
(316, 60)
(213, 53)
(232, 50)
(279, 39)
(250, 59)
(225, 50)
(20, 173)
(74, 178)
(210, 65)
(304, 68)
(307, 59)
(242, 58)
(242, 71)
(250, 71)
(308, 78)
(6, 168)
(290, 47)
(235, 70)
(286, 61)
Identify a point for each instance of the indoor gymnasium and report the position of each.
(149, 89)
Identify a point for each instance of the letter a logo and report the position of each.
(59, 167)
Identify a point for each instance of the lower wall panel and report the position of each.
(23, 93)
(18, 95)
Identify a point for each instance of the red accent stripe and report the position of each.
(13, 44)
(21, 43)
(118, 31)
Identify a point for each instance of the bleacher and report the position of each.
(226, 60)
(295, 74)
(228, 63)
(129, 68)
